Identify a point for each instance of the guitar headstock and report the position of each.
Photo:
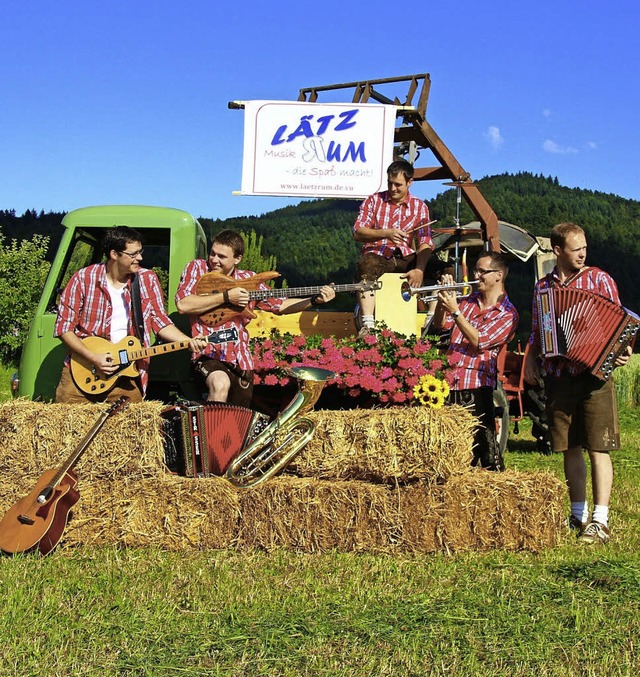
(370, 285)
(118, 405)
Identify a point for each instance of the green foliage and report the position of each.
(23, 270)
(163, 276)
(255, 260)
(627, 382)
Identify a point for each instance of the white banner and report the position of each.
(300, 149)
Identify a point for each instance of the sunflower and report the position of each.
(431, 391)
(437, 401)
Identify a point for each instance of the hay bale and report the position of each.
(128, 497)
(485, 511)
(169, 512)
(388, 445)
(35, 437)
(316, 516)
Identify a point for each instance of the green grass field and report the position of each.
(572, 610)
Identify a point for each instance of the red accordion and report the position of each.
(203, 439)
(585, 328)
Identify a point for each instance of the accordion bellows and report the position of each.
(203, 439)
(584, 328)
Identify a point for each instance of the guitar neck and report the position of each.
(295, 292)
(81, 448)
(142, 353)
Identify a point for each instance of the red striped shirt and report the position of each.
(477, 367)
(379, 212)
(237, 352)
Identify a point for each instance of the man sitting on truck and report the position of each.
(226, 369)
(97, 301)
(387, 224)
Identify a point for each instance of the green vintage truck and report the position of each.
(171, 239)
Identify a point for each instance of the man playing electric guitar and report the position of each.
(227, 369)
(97, 302)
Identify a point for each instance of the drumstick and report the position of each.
(421, 225)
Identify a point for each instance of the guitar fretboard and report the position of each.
(295, 292)
(156, 350)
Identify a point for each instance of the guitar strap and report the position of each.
(136, 308)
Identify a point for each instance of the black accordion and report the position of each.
(203, 439)
(585, 328)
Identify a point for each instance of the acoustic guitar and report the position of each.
(213, 282)
(37, 521)
(125, 353)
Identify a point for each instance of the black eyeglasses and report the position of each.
(483, 271)
(133, 255)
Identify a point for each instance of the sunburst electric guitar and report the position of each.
(37, 521)
(125, 353)
(213, 282)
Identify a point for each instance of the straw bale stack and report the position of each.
(388, 445)
(419, 501)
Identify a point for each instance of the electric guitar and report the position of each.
(213, 282)
(38, 520)
(125, 353)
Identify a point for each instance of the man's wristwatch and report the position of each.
(455, 315)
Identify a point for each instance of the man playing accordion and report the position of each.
(581, 408)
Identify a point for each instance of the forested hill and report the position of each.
(313, 243)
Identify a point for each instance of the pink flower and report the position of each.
(386, 372)
(422, 347)
(410, 363)
(387, 367)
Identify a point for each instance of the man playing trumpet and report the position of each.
(480, 324)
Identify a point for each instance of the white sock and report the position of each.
(601, 514)
(580, 510)
(368, 321)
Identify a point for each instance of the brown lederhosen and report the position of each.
(241, 389)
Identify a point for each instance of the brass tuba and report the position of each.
(277, 445)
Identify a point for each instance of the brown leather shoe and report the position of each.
(594, 532)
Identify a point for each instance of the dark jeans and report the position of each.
(485, 445)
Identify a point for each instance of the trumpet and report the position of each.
(431, 293)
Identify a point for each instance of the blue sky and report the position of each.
(126, 102)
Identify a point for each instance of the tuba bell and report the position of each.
(277, 445)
